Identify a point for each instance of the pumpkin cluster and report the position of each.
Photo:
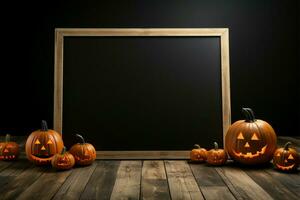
(45, 147)
(214, 156)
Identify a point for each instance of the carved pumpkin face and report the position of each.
(250, 141)
(286, 159)
(216, 156)
(42, 145)
(63, 161)
(198, 154)
(84, 153)
(9, 150)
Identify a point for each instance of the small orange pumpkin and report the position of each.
(216, 156)
(286, 158)
(198, 154)
(84, 153)
(43, 144)
(63, 160)
(9, 150)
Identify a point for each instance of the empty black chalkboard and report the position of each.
(142, 93)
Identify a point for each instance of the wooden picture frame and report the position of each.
(60, 33)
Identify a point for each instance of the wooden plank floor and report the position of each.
(148, 179)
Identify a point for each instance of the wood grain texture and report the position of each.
(18, 184)
(127, 185)
(45, 186)
(291, 181)
(210, 182)
(181, 181)
(75, 183)
(276, 189)
(101, 183)
(243, 184)
(154, 183)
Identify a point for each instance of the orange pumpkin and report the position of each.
(250, 141)
(216, 156)
(43, 144)
(286, 158)
(198, 154)
(63, 160)
(84, 153)
(9, 150)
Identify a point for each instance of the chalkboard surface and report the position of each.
(142, 93)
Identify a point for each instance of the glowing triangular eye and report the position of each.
(49, 142)
(291, 157)
(37, 142)
(254, 137)
(240, 136)
(278, 154)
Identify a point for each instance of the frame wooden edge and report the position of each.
(60, 33)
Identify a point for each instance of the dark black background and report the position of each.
(264, 51)
(143, 93)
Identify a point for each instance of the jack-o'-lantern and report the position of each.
(216, 156)
(198, 154)
(43, 144)
(84, 153)
(286, 158)
(250, 141)
(63, 160)
(9, 150)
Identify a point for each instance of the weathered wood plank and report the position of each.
(242, 184)
(45, 186)
(12, 171)
(75, 183)
(182, 183)
(210, 182)
(127, 185)
(102, 181)
(290, 180)
(154, 181)
(216, 192)
(18, 184)
(271, 185)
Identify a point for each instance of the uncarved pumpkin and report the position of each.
(198, 154)
(84, 153)
(216, 156)
(286, 158)
(9, 150)
(43, 144)
(63, 160)
(250, 141)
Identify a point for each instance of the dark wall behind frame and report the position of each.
(264, 52)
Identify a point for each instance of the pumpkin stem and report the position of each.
(286, 146)
(7, 138)
(249, 114)
(63, 151)
(80, 136)
(197, 146)
(44, 126)
(216, 145)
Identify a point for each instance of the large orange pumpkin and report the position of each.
(9, 150)
(250, 141)
(43, 144)
(84, 153)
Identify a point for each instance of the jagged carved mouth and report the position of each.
(250, 154)
(285, 167)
